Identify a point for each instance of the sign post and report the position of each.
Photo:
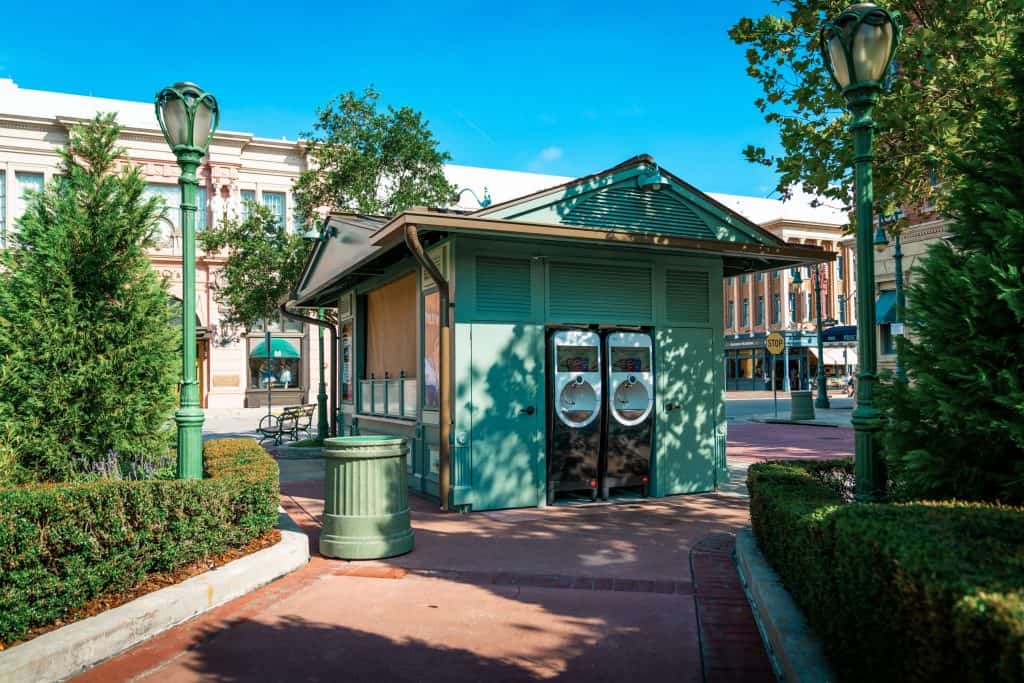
(776, 344)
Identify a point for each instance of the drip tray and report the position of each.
(615, 497)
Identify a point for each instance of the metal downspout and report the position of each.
(412, 240)
(334, 358)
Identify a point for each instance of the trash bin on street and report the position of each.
(366, 498)
(801, 407)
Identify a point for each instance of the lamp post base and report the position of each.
(190, 442)
(868, 467)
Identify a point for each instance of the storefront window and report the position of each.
(280, 373)
(431, 350)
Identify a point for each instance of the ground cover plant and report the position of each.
(919, 591)
(64, 544)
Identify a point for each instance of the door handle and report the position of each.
(529, 410)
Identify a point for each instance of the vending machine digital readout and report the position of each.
(574, 424)
(629, 418)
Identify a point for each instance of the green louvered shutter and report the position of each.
(503, 289)
(591, 293)
(687, 296)
(439, 255)
(629, 208)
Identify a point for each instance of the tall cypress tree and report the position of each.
(957, 430)
(88, 359)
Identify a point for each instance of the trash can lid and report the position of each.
(369, 446)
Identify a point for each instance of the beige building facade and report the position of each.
(35, 124)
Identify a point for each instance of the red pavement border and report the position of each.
(731, 648)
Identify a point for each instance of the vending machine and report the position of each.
(574, 412)
(629, 420)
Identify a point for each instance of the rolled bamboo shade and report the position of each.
(391, 329)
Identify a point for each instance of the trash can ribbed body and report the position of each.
(801, 405)
(366, 498)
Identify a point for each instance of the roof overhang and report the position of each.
(325, 277)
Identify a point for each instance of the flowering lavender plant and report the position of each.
(129, 467)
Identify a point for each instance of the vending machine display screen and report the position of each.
(577, 359)
(629, 359)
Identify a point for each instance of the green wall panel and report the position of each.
(687, 296)
(506, 381)
(685, 454)
(599, 293)
(503, 290)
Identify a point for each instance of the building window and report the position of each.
(839, 266)
(888, 340)
(745, 320)
(760, 310)
(278, 368)
(246, 196)
(776, 308)
(775, 274)
(729, 320)
(171, 196)
(793, 272)
(807, 306)
(743, 279)
(792, 307)
(842, 309)
(760, 276)
(26, 183)
(728, 281)
(275, 202)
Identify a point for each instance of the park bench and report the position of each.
(290, 422)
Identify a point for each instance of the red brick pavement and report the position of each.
(646, 590)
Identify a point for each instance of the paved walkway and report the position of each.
(624, 591)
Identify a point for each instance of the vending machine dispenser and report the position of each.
(574, 411)
(630, 415)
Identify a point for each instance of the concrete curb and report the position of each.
(292, 453)
(807, 423)
(796, 654)
(60, 654)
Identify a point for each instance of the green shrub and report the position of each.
(898, 592)
(63, 544)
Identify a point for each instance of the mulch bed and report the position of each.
(153, 582)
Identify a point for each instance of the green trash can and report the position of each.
(366, 498)
(801, 407)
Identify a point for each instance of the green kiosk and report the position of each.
(445, 320)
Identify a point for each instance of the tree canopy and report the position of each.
(89, 356)
(263, 264)
(367, 161)
(945, 69)
(957, 429)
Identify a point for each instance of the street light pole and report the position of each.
(858, 48)
(188, 117)
(897, 256)
(822, 400)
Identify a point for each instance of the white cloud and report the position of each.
(546, 156)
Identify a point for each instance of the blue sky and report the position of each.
(553, 87)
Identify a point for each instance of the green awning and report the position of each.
(279, 348)
(885, 308)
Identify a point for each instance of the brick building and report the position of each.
(758, 304)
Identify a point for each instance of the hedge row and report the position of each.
(62, 544)
(898, 592)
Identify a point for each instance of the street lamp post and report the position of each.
(858, 48)
(188, 117)
(880, 243)
(822, 400)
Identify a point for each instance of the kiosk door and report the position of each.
(507, 384)
(687, 397)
